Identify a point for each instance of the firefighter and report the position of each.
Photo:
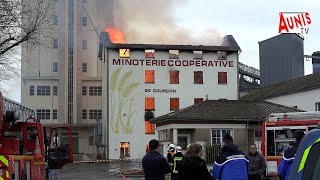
(176, 163)
(289, 155)
(170, 156)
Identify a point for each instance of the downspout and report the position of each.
(247, 136)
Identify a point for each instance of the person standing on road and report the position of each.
(289, 155)
(231, 163)
(155, 166)
(192, 167)
(257, 164)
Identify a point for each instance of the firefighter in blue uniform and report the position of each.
(289, 155)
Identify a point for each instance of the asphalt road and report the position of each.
(100, 171)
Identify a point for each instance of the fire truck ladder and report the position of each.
(11, 105)
(294, 116)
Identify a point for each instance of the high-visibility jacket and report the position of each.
(176, 163)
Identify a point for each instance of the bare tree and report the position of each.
(21, 21)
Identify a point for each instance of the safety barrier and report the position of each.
(103, 161)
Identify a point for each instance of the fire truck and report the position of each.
(26, 153)
(277, 135)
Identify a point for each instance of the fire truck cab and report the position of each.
(26, 153)
(277, 135)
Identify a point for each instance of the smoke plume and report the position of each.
(153, 21)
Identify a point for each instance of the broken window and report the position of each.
(173, 54)
(222, 55)
(197, 55)
(149, 53)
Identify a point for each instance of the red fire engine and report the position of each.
(25, 151)
(277, 135)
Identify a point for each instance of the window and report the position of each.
(222, 55)
(317, 106)
(55, 90)
(54, 114)
(91, 140)
(198, 100)
(84, 90)
(217, 135)
(84, 44)
(174, 77)
(43, 113)
(174, 104)
(149, 104)
(84, 114)
(149, 53)
(43, 90)
(150, 128)
(257, 134)
(55, 20)
(84, 67)
(55, 43)
(84, 21)
(95, 90)
(222, 78)
(31, 91)
(94, 114)
(163, 135)
(149, 76)
(173, 54)
(124, 149)
(198, 77)
(197, 55)
(55, 67)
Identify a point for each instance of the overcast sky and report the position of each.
(249, 21)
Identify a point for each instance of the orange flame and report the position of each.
(116, 35)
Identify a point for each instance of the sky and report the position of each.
(249, 21)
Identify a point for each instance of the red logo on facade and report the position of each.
(294, 22)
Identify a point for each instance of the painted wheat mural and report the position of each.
(122, 97)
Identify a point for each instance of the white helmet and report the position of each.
(178, 149)
(188, 146)
(172, 145)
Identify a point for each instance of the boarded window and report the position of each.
(198, 77)
(149, 53)
(222, 78)
(149, 104)
(198, 100)
(149, 76)
(150, 128)
(174, 77)
(174, 104)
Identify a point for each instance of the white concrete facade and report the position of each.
(306, 100)
(77, 45)
(186, 91)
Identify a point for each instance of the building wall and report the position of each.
(183, 91)
(37, 65)
(281, 59)
(303, 100)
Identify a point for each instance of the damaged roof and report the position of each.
(296, 85)
(228, 44)
(225, 110)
